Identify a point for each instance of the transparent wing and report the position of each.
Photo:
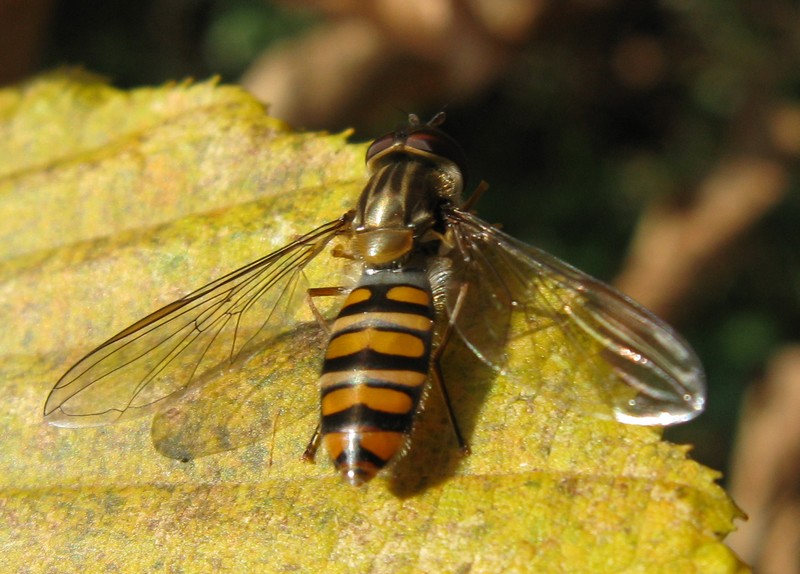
(651, 375)
(243, 402)
(225, 321)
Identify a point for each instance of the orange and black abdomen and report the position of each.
(375, 369)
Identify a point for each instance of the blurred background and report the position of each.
(653, 144)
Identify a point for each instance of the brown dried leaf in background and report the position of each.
(364, 54)
(766, 469)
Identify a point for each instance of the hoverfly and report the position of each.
(426, 270)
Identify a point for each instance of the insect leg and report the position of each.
(436, 370)
(322, 292)
(482, 188)
(313, 443)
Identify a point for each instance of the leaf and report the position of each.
(114, 203)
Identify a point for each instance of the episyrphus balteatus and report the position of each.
(424, 270)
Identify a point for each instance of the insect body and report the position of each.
(429, 271)
(375, 367)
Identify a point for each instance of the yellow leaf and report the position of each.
(114, 203)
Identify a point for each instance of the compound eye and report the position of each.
(436, 142)
(419, 140)
(380, 145)
(428, 141)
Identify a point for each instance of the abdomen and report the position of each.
(375, 369)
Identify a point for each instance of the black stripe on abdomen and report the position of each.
(375, 368)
